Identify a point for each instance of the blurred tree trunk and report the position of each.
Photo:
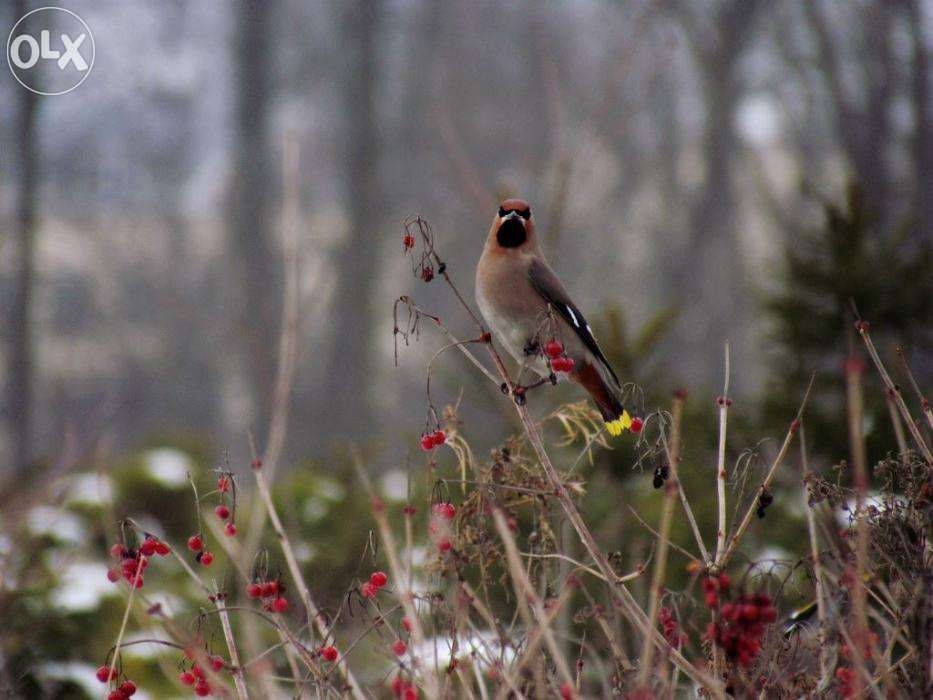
(711, 267)
(251, 190)
(21, 348)
(923, 129)
(349, 371)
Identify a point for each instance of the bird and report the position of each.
(531, 314)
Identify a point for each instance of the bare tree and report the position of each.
(351, 358)
(20, 389)
(251, 190)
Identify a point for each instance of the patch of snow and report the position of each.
(168, 466)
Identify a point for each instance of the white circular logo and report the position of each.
(50, 51)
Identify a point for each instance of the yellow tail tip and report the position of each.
(623, 422)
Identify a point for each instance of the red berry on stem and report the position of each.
(207, 559)
(105, 674)
(162, 549)
(222, 512)
(637, 425)
(406, 623)
(230, 530)
(427, 441)
(217, 662)
(280, 605)
(117, 551)
(223, 484)
(554, 349)
(116, 695)
(399, 647)
(270, 588)
(202, 689)
(438, 437)
(378, 579)
(148, 547)
(368, 590)
(443, 544)
(254, 590)
(329, 653)
(113, 575)
(195, 543)
(128, 688)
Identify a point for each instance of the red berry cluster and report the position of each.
(272, 591)
(196, 679)
(845, 676)
(376, 581)
(404, 689)
(134, 561)
(671, 628)
(434, 439)
(440, 527)
(713, 586)
(742, 626)
(223, 512)
(559, 362)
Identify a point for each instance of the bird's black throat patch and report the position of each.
(511, 233)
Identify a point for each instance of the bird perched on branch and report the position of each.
(532, 315)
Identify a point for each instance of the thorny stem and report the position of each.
(815, 560)
(660, 564)
(898, 399)
(292, 561)
(721, 462)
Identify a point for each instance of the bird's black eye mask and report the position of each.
(511, 233)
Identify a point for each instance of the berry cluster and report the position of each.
(134, 561)
(845, 677)
(764, 500)
(440, 527)
(404, 689)
(125, 690)
(377, 580)
(223, 512)
(713, 586)
(195, 677)
(558, 361)
(671, 628)
(272, 591)
(742, 626)
(433, 439)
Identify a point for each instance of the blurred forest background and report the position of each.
(699, 169)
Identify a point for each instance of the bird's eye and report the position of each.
(502, 211)
(525, 214)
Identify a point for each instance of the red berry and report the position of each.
(368, 590)
(222, 512)
(217, 662)
(553, 349)
(254, 590)
(117, 551)
(105, 674)
(116, 695)
(113, 575)
(197, 671)
(378, 579)
(195, 543)
(207, 558)
(443, 544)
(445, 510)
(427, 442)
(137, 582)
(562, 364)
(399, 647)
(410, 693)
(187, 677)
(329, 653)
(438, 437)
(223, 484)
(406, 623)
(162, 549)
(637, 425)
(202, 689)
(408, 242)
(128, 688)
(148, 547)
(270, 588)
(230, 530)
(280, 605)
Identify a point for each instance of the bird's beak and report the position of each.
(511, 215)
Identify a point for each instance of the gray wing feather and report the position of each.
(546, 284)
